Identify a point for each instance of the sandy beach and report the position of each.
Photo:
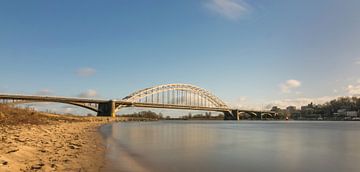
(32, 141)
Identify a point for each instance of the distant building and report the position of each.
(341, 110)
(309, 107)
(291, 109)
(303, 108)
(351, 114)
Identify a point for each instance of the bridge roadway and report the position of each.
(110, 107)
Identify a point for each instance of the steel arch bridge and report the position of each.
(178, 94)
(169, 96)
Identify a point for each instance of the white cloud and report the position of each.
(242, 103)
(289, 84)
(298, 93)
(353, 89)
(245, 103)
(357, 61)
(242, 99)
(231, 9)
(88, 94)
(85, 72)
(44, 92)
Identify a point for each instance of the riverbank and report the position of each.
(33, 141)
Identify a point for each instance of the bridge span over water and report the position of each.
(170, 96)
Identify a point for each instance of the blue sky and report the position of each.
(251, 54)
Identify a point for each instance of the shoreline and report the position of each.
(72, 144)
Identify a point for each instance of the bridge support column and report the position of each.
(106, 109)
(231, 115)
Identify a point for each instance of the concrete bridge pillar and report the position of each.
(107, 109)
(231, 115)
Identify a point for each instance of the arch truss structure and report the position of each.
(176, 94)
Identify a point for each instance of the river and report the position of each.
(272, 146)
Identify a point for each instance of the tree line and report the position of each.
(160, 116)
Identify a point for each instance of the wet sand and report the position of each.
(56, 143)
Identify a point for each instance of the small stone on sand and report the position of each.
(3, 162)
(37, 166)
(14, 150)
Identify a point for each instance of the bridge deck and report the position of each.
(121, 103)
(50, 98)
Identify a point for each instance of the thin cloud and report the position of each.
(88, 94)
(85, 72)
(289, 85)
(240, 102)
(230, 9)
(353, 90)
(44, 92)
(245, 103)
(357, 61)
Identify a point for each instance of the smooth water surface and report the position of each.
(233, 146)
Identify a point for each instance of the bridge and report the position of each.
(169, 96)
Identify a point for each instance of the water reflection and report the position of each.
(232, 146)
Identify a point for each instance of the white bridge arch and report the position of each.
(183, 94)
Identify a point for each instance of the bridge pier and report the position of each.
(107, 109)
(231, 115)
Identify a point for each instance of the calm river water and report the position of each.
(272, 146)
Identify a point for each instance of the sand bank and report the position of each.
(59, 144)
